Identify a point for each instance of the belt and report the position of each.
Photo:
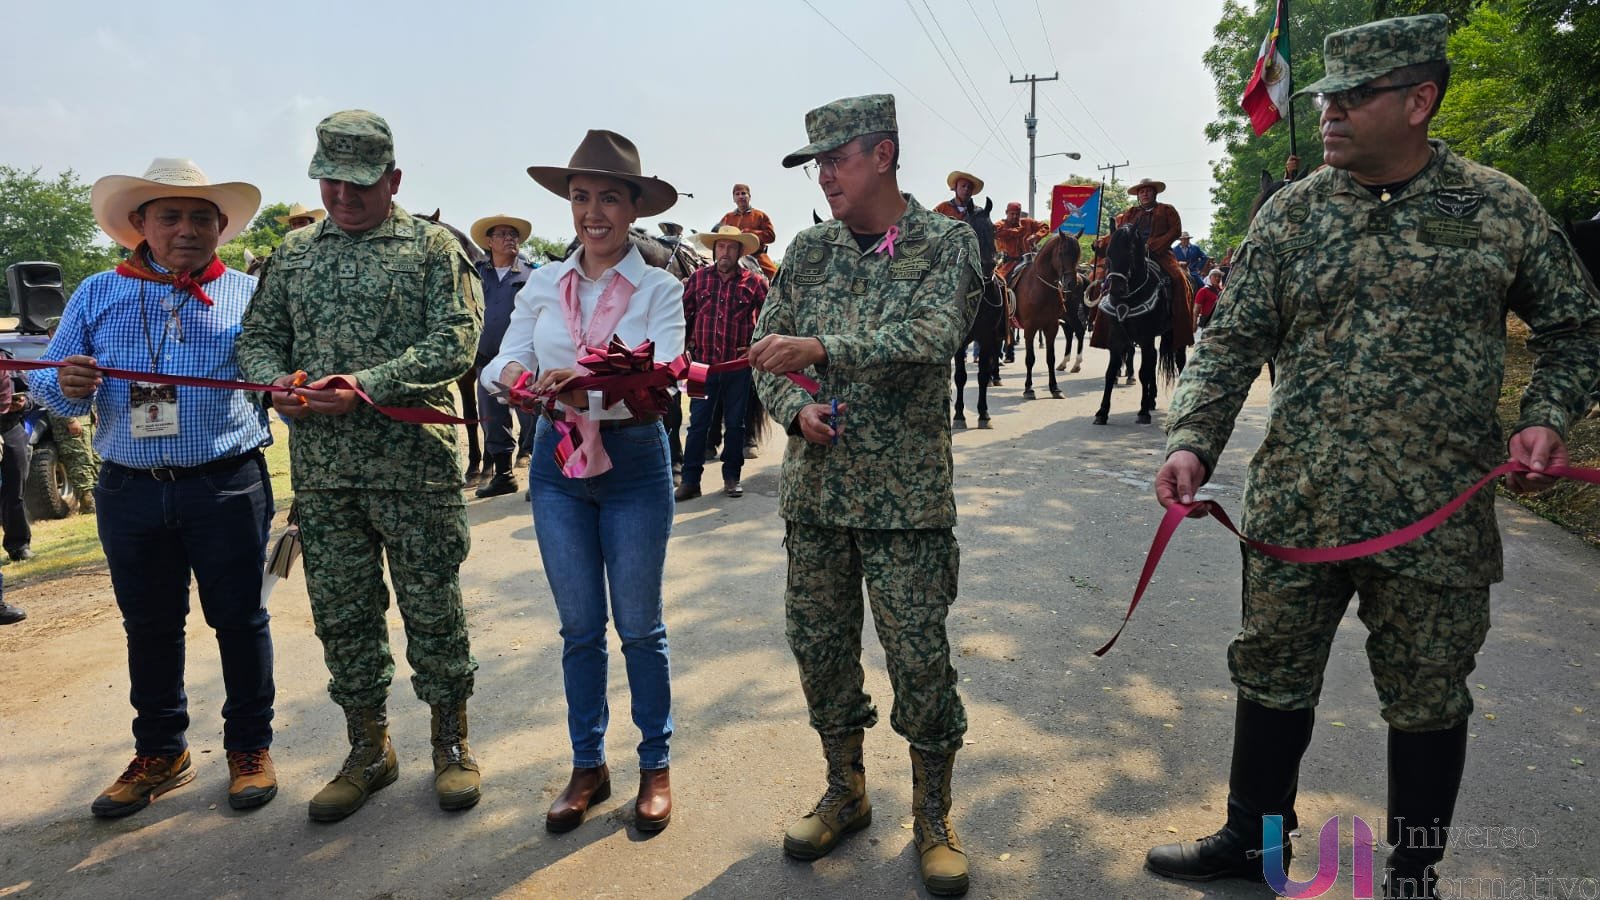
(555, 415)
(173, 473)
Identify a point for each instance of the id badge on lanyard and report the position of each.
(153, 409)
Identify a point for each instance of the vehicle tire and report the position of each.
(47, 493)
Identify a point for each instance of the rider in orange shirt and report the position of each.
(747, 218)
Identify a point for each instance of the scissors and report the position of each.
(517, 397)
(833, 423)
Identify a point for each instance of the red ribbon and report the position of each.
(418, 415)
(695, 378)
(1178, 512)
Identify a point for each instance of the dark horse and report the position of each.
(1135, 308)
(988, 327)
(1041, 301)
(1075, 321)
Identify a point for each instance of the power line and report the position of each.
(1014, 101)
(1072, 131)
(1007, 29)
(964, 92)
(913, 94)
(1091, 116)
(956, 52)
(997, 54)
(1046, 29)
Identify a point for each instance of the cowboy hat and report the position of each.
(1147, 183)
(115, 196)
(297, 211)
(1185, 236)
(709, 239)
(611, 155)
(951, 179)
(482, 227)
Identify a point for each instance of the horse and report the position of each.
(1075, 323)
(1041, 301)
(988, 326)
(1136, 306)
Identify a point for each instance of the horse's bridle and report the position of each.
(1122, 310)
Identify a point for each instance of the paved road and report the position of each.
(1074, 765)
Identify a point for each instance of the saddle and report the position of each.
(1141, 300)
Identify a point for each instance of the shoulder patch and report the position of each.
(1458, 203)
(1299, 242)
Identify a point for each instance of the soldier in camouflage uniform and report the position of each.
(72, 443)
(1381, 284)
(875, 303)
(391, 302)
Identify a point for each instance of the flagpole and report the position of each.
(1294, 149)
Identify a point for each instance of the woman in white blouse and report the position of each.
(603, 511)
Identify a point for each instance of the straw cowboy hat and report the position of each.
(611, 155)
(482, 227)
(951, 179)
(1147, 183)
(746, 240)
(297, 211)
(115, 196)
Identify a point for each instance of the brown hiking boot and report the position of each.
(370, 766)
(844, 806)
(252, 779)
(455, 769)
(145, 779)
(944, 863)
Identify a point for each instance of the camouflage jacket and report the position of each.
(1387, 320)
(399, 307)
(890, 327)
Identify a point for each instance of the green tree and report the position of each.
(44, 219)
(260, 239)
(541, 249)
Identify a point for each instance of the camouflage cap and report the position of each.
(1355, 56)
(831, 125)
(353, 145)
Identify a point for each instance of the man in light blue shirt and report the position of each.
(184, 491)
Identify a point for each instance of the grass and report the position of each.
(1573, 505)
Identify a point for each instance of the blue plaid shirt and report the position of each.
(105, 320)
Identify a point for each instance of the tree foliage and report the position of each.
(50, 220)
(260, 239)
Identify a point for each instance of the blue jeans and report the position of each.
(732, 391)
(155, 533)
(609, 530)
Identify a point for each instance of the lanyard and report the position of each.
(172, 324)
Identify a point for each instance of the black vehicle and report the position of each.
(35, 296)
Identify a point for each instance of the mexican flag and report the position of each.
(1266, 97)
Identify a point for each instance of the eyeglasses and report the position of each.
(822, 165)
(1357, 96)
(503, 234)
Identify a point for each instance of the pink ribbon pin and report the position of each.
(887, 244)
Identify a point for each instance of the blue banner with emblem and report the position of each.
(1074, 207)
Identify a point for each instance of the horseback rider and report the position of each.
(747, 218)
(966, 185)
(1016, 236)
(1160, 225)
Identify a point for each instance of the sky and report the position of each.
(711, 93)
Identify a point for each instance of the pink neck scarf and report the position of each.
(588, 457)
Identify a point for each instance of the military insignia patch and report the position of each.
(1296, 243)
(814, 255)
(1449, 232)
(908, 269)
(858, 285)
(806, 277)
(347, 269)
(912, 248)
(1379, 223)
(1298, 213)
(1457, 203)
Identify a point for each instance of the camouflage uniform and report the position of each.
(879, 505)
(400, 308)
(1387, 320)
(77, 454)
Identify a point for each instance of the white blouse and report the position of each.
(538, 338)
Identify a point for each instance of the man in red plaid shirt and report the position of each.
(720, 306)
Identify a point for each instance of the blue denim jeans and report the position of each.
(609, 531)
(732, 389)
(155, 534)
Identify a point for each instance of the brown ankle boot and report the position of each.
(455, 770)
(652, 812)
(586, 787)
(944, 863)
(371, 765)
(844, 806)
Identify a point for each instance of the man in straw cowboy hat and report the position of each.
(1381, 285)
(503, 272)
(875, 302)
(1159, 225)
(747, 218)
(384, 300)
(720, 305)
(299, 217)
(184, 493)
(966, 186)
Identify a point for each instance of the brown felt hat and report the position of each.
(611, 155)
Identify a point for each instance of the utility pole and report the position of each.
(1104, 206)
(1032, 121)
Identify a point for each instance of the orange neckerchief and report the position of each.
(138, 266)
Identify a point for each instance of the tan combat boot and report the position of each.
(944, 863)
(844, 806)
(455, 770)
(371, 765)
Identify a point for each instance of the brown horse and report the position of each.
(1041, 302)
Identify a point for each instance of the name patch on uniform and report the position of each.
(908, 269)
(1449, 232)
(402, 265)
(302, 261)
(1299, 242)
(809, 276)
(1458, 203)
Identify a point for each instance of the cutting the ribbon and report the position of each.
(417, 415)
(1177, 512)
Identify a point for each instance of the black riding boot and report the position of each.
(503, 481)
(1264, 778)
(1424, 779)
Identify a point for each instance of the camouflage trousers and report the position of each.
(1422, 639)
(76, 454)
(346, 534)
(910, 580)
